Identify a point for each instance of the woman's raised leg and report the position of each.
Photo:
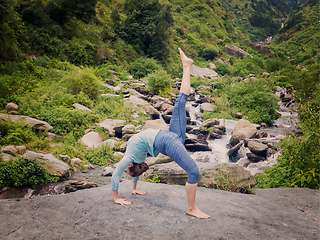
(186, 63)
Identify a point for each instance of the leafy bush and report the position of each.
(102, 155)
(254, 98)
(23, 172)
(159, 82)
(143, 66)
(15, 133)
(208, 54)
(82, 81)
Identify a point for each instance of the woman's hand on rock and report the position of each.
(122, 202)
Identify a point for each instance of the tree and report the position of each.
(146, 27)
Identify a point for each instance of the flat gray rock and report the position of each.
(284, 213)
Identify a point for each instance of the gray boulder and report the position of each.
(81, 107)
(128, 129)
(210, 122)
(51, 164)
(9, 149)
(92, 140)
(244, 129)
(209, 107)
(258, 148)
(12, 107)
(155, 114)
(156, 124)
(38, 124)
(236, 51)
(202, 72)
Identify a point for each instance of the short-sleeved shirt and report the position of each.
(137, 150)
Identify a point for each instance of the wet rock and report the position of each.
(234, 149)
(32, 122)
(51, 164)
(9, 149)
(244, 162)
(214, 136)
(81, 107)
(258, 148)
(261, 134)
(195, 145)
(244, 129)
(167, 118)
(210, 122)
(79, 184)
(255, 158)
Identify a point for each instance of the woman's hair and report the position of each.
(137, 169)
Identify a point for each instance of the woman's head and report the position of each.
(135, 169)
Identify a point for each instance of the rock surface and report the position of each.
(32, 122)
(161, 214)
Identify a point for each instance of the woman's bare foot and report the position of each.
(185, 60)
(197, 213)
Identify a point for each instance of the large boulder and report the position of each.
(236, 51)
(223, 176)
(156, 124)
(202, 72)
(51, 164)
(81, 107)
(12, 107)
(155, 114)
(38, 124)
(244, 129)
(92, 140)
(258, 148)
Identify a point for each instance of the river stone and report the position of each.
(78, 184)
(255, 158)
(155, 114)
(81, 107)
(210, 122)
(38, 124)
(51, 164)
(211, 175)
(137, 101)
(214, 136)
(92, 140)
(123, 147)
(202, 72)
(12, 107)
(244, 129)
(209, 107)
(128, 129)
(111, 143)
(160, 159)
(234, 149)
(259, 149)
(156, 124)
(9, 149)
(195, 146)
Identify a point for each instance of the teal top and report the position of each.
(137, 150)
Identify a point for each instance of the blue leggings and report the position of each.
(171, 143)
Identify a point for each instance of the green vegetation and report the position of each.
(55, 53)
(23, 172)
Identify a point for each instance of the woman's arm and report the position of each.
(135, 191)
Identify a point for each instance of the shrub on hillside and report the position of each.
(159, 82)
(208, 54)
(82, 81)
(143, 66)
(23, 172)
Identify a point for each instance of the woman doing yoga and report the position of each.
(170, 143)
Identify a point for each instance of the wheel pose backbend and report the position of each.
(170, 143)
